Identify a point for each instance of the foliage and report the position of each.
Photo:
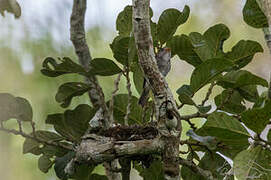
(212, 65)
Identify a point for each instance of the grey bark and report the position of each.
(166, 110)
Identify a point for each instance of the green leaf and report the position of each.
(12, 7)
(69, 90)
(240, 78)
(44, 164)
(243, 52)
(253, 163)
(97, 177)
(154, 172)
(83, 172)
(169, 21)
(253, 15)
(204, 109)
(182, 46)
(31, 146)
(207, 71)
(51, 151)
(67, 66)
(61, 163)
(138, 79)
(154, 34)
(257, 118)
(185, 89)
(48, 136)
(73, 123)
(185, 99)
(227, 130)
(211, 162)
(119, 48)
(209, 141)
(24, 111)
(103, 67)
(232, 101)
(132, 52)
(249, 93)
(36, 148)
(14, 107)
(124, 21)
(210, 45)
(185, 95)
(120, 107)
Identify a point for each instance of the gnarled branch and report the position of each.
(166, 110)
(78, 38)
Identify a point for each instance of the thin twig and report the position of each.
(128, 86)
(180, 106)
(196, 115)
(78, 38)
(196, 169)
(114, 93)
(209, 92)
(23, 134)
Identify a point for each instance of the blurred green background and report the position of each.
(43, 30)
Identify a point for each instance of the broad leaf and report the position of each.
(210, 44)
(44, 163)
(169, 21)
(31, 146)
(97, 177)
(232, 102)
(154, 172)
(138, 79)
(182, 46)
(253, 15)
(211, 162)
(124, 21)
(204, 109)
(52, 151)
(36, 148)
(119, 47)
(228, 130)
(14, 107)
(253, 163)
(257, 118)
(73, 123)
(185, 89)
(240, 78)
(208, 71)
(120, 109)
(48, 136)
(61, 163)
(185, 95)
(249, 93)
(103, 67)
(52, 69)
(243, 52)
(69, 90)
(11, 6)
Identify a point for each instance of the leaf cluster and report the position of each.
(223, 131)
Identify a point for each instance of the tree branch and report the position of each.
(167, 113)
(78, 38)
(96, 149)
(196, 169)
(35, 138)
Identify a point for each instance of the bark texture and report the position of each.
(166, 110)
(96, 95)
(78, 38)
